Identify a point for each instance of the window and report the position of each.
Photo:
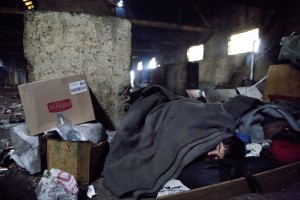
(132, 78)
(152, 64)
(195, 53)
(140, 66)
(243, 42)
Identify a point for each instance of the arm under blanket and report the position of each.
(159, 136)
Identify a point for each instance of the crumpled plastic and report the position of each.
(26, 148)
(57, 184)
(173, 186)
(93, 132)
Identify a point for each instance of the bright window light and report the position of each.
(140, 66)
(152, 64)
(132, 78)
(120, 4)
(243, 42)
(195, 53)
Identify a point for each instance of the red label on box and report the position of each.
(59, 106)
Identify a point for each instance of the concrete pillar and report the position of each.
(59, 43)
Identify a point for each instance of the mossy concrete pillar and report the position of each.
(59, 44)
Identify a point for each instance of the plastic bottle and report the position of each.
(66, 128)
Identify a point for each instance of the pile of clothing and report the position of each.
(162, 134)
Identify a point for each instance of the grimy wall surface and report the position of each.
(230, 71)
(59, 44)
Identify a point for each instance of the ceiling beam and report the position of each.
(140, 22)
(197, 9)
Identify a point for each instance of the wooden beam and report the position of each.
(140, 22)
(201, 15)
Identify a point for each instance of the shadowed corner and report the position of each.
(100, 114)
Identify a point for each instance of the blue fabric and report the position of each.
(246, 139)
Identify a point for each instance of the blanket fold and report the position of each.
(160, 134)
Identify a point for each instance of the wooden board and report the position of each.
(270, 181)
(72, 157)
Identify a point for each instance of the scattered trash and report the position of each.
(3, 169)
(11, 111)
(4, 144)
(173, 186)
(66, 129)
(26, 148)
(57, 184)
(254, 149)
(93, 132)
(91, 191)
(7, 111)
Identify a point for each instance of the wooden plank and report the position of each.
(72, 157)
(280, 178)
(270, 181)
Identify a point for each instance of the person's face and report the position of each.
(218, 152)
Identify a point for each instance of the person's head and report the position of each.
(231, 147)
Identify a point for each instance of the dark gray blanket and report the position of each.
(160, 134)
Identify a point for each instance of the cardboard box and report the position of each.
(43, 99)
(283, 80)
(81, 159)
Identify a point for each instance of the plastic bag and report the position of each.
(93, 132)
(290, 48)
(57, 184)
(26, 148)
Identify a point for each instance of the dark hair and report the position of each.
(235, 148)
